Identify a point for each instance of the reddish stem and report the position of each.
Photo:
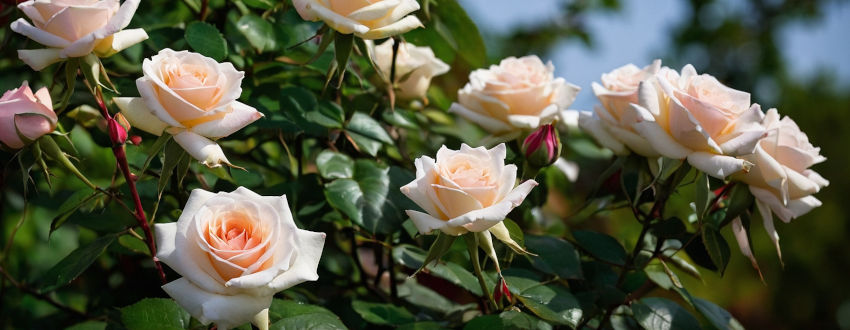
(121, 158)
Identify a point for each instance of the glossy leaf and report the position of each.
(663, 314)
(74, 264)
(601, 246)
(554, 256)
(207, 40)
(154, 314)
(382, 313)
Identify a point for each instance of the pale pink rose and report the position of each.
(367, 19)
(780, 179)
(25, 117)
(518, 94)
(466, 190)
(235, 251)
(192, 97)
(611, 124)
(415, 66)
(75, 28)
(696, 117)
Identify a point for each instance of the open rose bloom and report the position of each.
(367, 19)
(192, 97)
(611, 124)
(695, 117)
(781, 180)
(25, 116)
(235, 251)
(414, 65)
(518, 94)
(76, 28)
(466, 190)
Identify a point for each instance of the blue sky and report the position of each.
(640, 31)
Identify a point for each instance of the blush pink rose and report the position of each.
(367, 19)
(25, 116)
(76, 28)
(235, 251)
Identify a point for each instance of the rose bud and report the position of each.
(542, 147)
(117, 133)
(135, 140)
(501, 290)
(25, 116)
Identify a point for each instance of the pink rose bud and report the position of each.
(25, 117)
(135, 140)
(117, 133)
(542, 147)
(502, 290)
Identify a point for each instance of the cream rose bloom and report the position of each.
(367, 19)
(75, 28)
(192, 97)
(415, 66)
(781, 180)
(235, 251)
(466, 190)
(695, 117)
(518, 94)
(611, 124)
(25, 117)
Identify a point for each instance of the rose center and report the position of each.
(234, 237)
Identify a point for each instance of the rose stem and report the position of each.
(121, 158)
(472, 246)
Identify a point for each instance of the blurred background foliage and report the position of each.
(739, 44)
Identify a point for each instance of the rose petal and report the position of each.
(139, 116)
(483, 219)
(38, 59)
(241, 115)
(226, 311)
(38, 35)
(718, 166)
(310, 245)
(204, 150)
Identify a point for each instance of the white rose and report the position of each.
(75, 28)
(367, 19)
(611, 123)
(518, 94)
(696, 117)
(466, 190)
(235, 251)
(781, 180)
(192, 97)
(415, 66)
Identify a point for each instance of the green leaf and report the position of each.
(555, 256)
(364, 144)
(154, 314)
(205, 38)
(703, 195)
(601, 246)
(287, 314)
(740, 200)
(457, 275)
(719, 317)
(439, 248)
(519, 320)
(362, 124)
(88, 325)
(427, 325)
(663, 314)
(134, 244)
(71, 205)
(343, 44)
(334, 165)
(552, 303)
(716, 246)
(460, 32)
(74, 264)
(363, 198)
(382, 313)
(259, 32)
(170, 159)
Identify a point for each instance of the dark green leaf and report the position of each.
(287, 314)
(259, 32)
(207, 40)
(364, 144)
(716, 247)
(88, 325)
(428, 325)
(460, 32)
(334, 165)
(663, 314)
(719, 317)
(71, 205)
(740, 200)
(382, 313)
(554, 256)
(601, 246)
(703, 195)
(362, 124)
(74, 264)
(363, 198)
(519, 320)
(552, 303)
(440, 246)
(155, 314)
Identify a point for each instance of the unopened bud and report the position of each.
(135, 140)
(117, 133)
(501, 290)
(542, 147)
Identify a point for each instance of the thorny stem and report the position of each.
(42, 296)
(121, 158)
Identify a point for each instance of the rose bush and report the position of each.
(518, 94)
(76, 28)
(235, 251)
(364, 18)
(191, 97)
(25, 116)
